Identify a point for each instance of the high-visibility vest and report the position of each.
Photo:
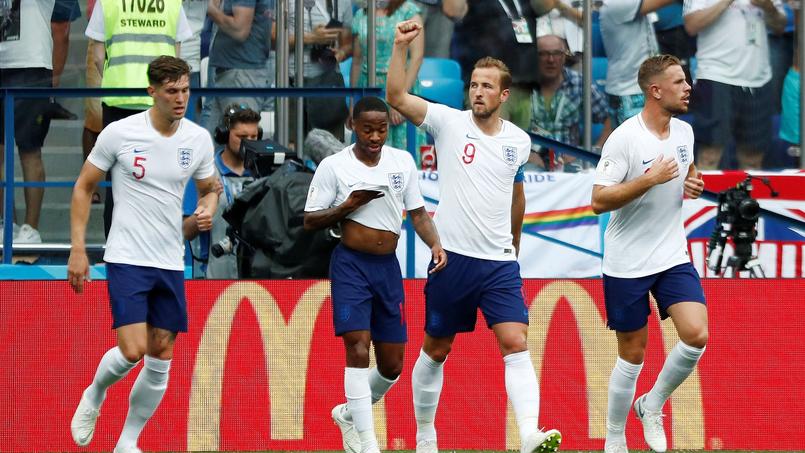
(136, 32)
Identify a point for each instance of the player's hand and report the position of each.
(203, 218)
(78, 270)
(439, 258)
(396, 117)
(663, 170)
(407, 31)
(694, 186)
(358, 198)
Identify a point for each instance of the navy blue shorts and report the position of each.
(367, 294)
(627, 300)
(147, 294)
(454, 295)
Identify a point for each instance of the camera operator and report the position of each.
(239, 123)
(327, 42)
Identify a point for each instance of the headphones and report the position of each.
(221, 134)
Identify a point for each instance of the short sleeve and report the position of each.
(104, 154)
(621, 11)
(95, 28)
(183, 29)
(614, 164)
(436, 116)
(323, 188)
(690, 6)
(413, 194)
(207, 166)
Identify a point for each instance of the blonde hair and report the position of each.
(654, 66)
(505, 74)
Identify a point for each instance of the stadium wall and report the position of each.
(260, 369)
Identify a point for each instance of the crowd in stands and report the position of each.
(740, 54)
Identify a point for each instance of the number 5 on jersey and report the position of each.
(138, 164)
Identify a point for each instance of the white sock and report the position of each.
(426, 384)
(622, 384)
(359, 403)
(522, 389)
(678, 366)
(144, 399)
(112, 368)
(379, 386)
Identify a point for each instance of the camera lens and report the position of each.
(749, 209)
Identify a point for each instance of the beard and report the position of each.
(680, 109)
(482, 112)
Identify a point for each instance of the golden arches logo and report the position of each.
(286, 389)
(599, 343)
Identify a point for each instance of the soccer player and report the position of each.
(479, 218)
(365, 188)
(639, 179)
(151, 155)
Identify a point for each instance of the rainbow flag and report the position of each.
(559, 219)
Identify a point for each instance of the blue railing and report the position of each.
(10, 94)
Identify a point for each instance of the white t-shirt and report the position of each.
(34, 48)
(734, 48)
(628, 40)
(190, 51)
(476, 179)
(96, 28)
(315, 15)
(149, 174)
(646, 235)
(395, 175)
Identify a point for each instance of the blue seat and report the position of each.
(600, 71)
(439, 68)
(598, 40)
(449, 92)
(345, 67)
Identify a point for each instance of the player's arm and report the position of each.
(412, 107)
(518, 211)
(610, 198)
(190, 223)
(694, 184)
(78, 263)
(426, 229)
(207, 203)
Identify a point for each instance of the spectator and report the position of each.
(26, 60)
(327, 41)
(503, 29)
(238, 54)
(781, 53)
(388, 15)
(628, 40)
(732, 100)
(239, 123)
(438, 17)
(564, 20)
(64, 12)
(789, 113)
(556, 106)
(122, 54)
(672, 38)
(190, 51)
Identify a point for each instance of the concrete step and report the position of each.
(54, 225)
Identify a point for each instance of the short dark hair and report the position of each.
(369, 104)
(239, 113)
(164, 69)
(654, 66)
(505, 73)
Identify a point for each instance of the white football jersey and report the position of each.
(395, 175)
(476, 179)
(149, 173)
(646, 236)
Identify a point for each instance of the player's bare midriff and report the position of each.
(367, 240)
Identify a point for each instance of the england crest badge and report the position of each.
(683, 154)
(185, 157)
(510, 154)
(396, 182)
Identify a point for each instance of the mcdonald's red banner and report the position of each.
(260, 369)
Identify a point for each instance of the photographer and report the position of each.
(239, 123)
(327, 42)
